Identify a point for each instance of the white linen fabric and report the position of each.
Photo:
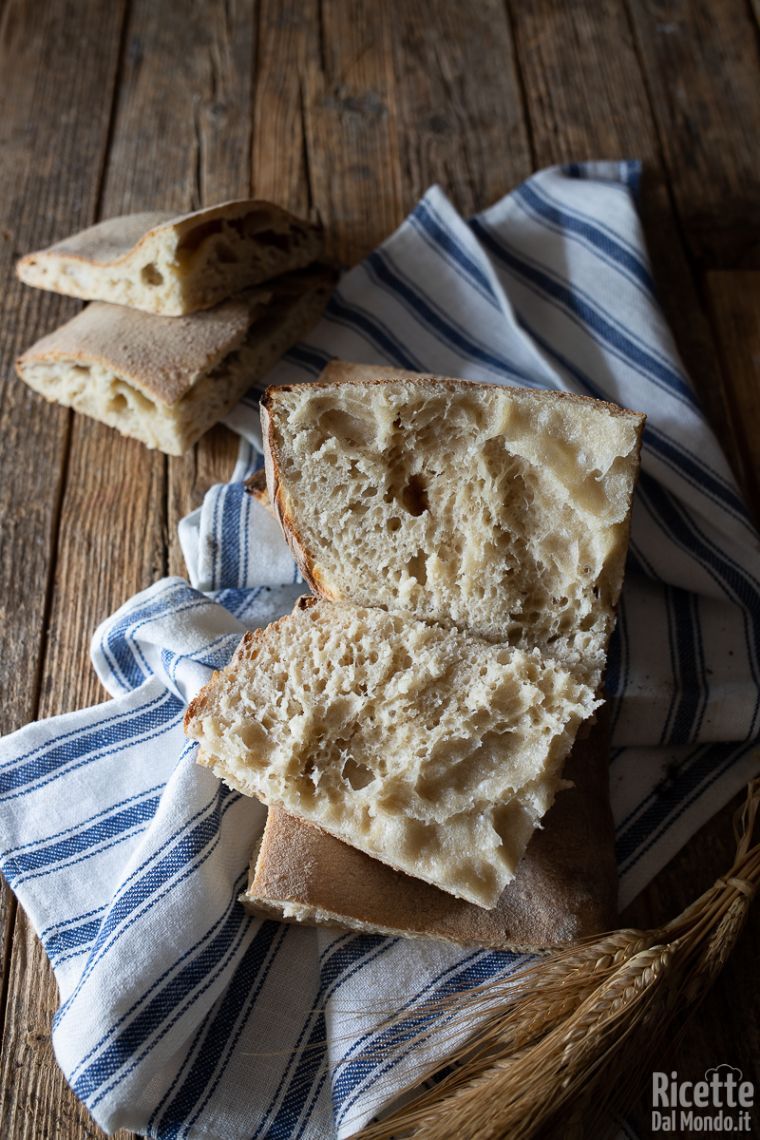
(182, 1016)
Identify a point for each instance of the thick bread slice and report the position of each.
(564, 890)
(430, 750)
(499, 510)
(167, 380)
(173, 265)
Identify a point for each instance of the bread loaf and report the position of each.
(429, 749)
(498, 510)
(167, 380)
(175, 264)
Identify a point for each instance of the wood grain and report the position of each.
(584, 100)
(702, 65)
(42, 199)
(735, 305)
(347, 111)
(350, 113)
(460, 117)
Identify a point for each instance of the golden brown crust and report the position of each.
(565, 888)
(256, 487)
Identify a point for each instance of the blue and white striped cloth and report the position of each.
(182, 1016)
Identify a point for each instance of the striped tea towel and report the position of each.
(182, 1016)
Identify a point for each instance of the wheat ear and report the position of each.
(554, 1039)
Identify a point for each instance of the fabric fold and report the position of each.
(180, 1014)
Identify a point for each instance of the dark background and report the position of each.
(346, 111)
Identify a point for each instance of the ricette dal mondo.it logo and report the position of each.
(722, 1102)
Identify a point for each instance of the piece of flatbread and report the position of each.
(167, 380)
(171, 264)
(565, 888)
(430, 749)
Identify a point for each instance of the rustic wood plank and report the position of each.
(42, 199)
(460, 119)
(352, 144)
(584, 100)
(181, 122)
(734, 299)
(702, 63)
(217, 81)
(287, 43)
(575, 89)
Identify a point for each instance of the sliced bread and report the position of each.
(175, 264)
(432, 750)
(499, 510)
(565, 887)
(167, 380)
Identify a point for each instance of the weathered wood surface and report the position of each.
(346, 111)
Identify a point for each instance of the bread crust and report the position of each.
(84, 245)
(564, 890)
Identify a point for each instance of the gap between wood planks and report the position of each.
(311, 82)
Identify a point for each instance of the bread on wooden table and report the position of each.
(565, 888)
(172, 264)
(504, 511)
(167, 380)
(430, 749)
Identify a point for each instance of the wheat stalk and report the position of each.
(562, 1045)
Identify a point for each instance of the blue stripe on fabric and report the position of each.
(614, 234)
(75, 938)
(124, 825)
(390, 278)
(73, 829)
(200, 966)
(355, 956)
(311, 359)
(591, 320)
(671, 797)
(484, 967)
(374, 331)
(607, 248)
(688, 669)
(221, 1033)
(145, 724)
(428, 223)
(188, 849)
(127, 665)
(226, 942)
(113, 719)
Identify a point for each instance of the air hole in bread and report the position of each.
(357, 775)
(417, 567)
(274, 239)
(345, 427)
(80, 369)
(414, 497)
(225, 254)
(151, 275)
(118, 402)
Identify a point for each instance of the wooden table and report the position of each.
(345, 111)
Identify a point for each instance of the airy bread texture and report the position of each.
(565, 887)
(167, 380)
(431, 750)
(174, 265)
(498, 510)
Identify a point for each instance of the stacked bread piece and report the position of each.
(409, 727)
(188, 313)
